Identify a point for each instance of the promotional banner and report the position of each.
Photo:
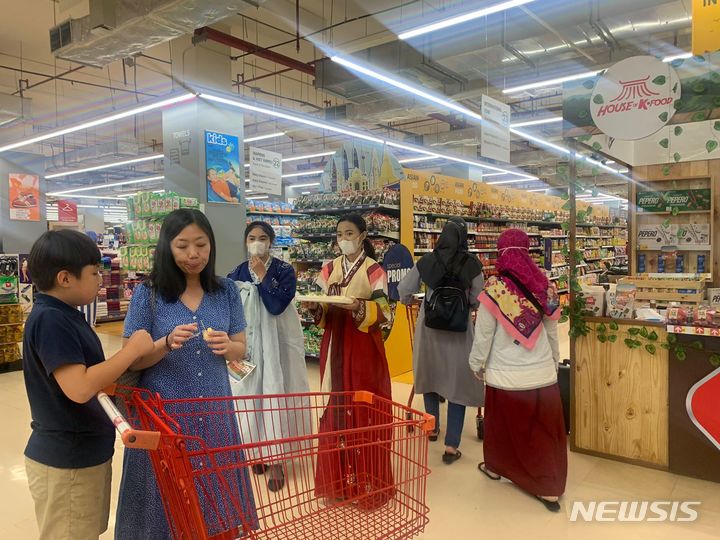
(705, 27)
(67, 211)
(265, 171)
(398, 261)
(361, 166)
(495, 134)
(223, 168)
(24, 197)
(676, 200)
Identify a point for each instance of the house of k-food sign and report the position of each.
(635, 98)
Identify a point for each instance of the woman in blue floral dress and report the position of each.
(197, 322)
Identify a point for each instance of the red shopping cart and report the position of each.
(365, 479)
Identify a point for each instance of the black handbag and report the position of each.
(448, 307)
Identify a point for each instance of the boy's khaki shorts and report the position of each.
(70, 504)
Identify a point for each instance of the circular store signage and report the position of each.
(634, 98)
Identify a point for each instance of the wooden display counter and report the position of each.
(631, 405)
(619, 396)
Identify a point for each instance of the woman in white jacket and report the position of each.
(515, 352)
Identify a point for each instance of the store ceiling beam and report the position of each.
(207, 33)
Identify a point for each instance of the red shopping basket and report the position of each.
(352, 467)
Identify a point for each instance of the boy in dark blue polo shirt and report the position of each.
(68, 456)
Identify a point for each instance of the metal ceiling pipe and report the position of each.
(242, 45)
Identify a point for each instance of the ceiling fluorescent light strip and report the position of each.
(94, 197)
(98, 121)
(413, 160)
(106, 166)
(348, 132)
(303, 173)
(538, 190)
(539, 122)
(308, 156)
(264, 137)
(313, 184)
(550, 82)
(103, 186)
(683, 56)
(511, 181)
(459, 19)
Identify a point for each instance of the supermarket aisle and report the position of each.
(464, 504)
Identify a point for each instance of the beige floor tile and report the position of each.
(463, 503)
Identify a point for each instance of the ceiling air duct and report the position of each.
(117, 29)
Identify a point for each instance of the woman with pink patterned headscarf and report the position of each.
(516, 353)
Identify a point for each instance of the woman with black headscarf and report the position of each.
(440, 357)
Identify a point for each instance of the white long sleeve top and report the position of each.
(508, 365)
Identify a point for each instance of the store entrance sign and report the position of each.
(635, 98)
(495, 136)
(705, 26)
(265, 171)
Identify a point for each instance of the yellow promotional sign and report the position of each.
(705, 26)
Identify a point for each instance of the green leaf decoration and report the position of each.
(672, 339)
(598, 100)
(711, 145)
(675, 87)
(637, 343)
(715, 76)
(612, 338)
(677, 157)
(666, 170)
(675, 211)
(564, 318)
(677, 63)
(660, 79)
(715, 360)
(652, 336)
(584, 138)
(678, 104)
(566, 206)
(601, 328)
(629, 343)
(589, 84)
(614, 326)
(602, 338)
(678, 131)
(699, 116)
(697, 345)
(699, 58)
(716, 125)
(589, 210)
(633, 331)
(663, 117)
(699, 88)
(650, 348)
(665, 143)
(644, 332)
(681, 355)
(666, 223)
(582, 216)
(665, 346)
(596, 146)
(565, 227)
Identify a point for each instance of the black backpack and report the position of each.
(448, 308)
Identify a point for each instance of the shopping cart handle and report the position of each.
(131, 438)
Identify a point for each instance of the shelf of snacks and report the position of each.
(11, 335)
(673, 224)
(112, 303)
(270, 208)
(381, 200)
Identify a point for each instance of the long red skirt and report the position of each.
(525, 439)
(355, 465)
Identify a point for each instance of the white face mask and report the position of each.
(348, 247)
(257, 249)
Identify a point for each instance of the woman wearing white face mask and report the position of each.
(352, 358)
(275, 345)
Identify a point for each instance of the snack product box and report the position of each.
(657, 236)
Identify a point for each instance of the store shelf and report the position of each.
(346, 209)
(393, 235)
(253, 213)
(560, 265)
(490, 220)
(640, 213)
(555, 237)
(699, 247)
(312, 356)
(308, 261)
(693, 330)
(8, 367)
(595, 271)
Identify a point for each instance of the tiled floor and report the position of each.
(463, 503)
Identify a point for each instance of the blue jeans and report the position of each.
(455, 418)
